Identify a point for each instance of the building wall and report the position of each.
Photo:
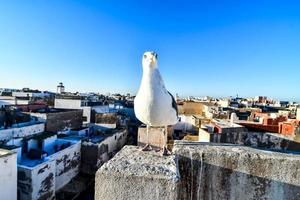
(60, 121)
(23, 131)
(87, 111)
(40, 116)
(298, 114)
(287, 128)
(43, 180)
(93, 155)
(190, 108)
(48, 144)
(235, 172)
(37, 182)
(12, 101)
(109, 126)
(187, 123)
(8, 175)
(28, 130)
(31, 107)
(67, 103)
(67, 163)
(32, 144)
(101, 109)
(204, 136)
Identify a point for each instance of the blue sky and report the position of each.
(216, 48)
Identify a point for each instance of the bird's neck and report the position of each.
(149, 75)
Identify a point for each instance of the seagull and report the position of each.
(154, 105)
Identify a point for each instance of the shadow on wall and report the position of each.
(200, 180)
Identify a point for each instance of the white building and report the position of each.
(187, 123)
(99, 149)
(224, 103)
(298, 114)
(12, 100)
(18, 131)
(80, 102)
(203, 136)
(48, 165)
(8, 175)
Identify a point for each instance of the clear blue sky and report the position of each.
(217, 48)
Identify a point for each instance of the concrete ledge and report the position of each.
(207, 171)
(133, 174)
(218, 171)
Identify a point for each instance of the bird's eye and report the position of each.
(145, 56)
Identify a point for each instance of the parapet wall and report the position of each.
(200, 171)
(212, 171)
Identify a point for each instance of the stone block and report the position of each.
(157, 138)
(134, 174)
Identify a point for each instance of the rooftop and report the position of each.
(226, 124)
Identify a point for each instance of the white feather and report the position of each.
(153, 103)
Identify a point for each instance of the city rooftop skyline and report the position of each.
(204, 48)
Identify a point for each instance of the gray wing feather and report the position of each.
(174, 104)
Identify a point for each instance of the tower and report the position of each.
(60, 88)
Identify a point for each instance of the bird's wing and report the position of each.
(160, 81)
(174, 104)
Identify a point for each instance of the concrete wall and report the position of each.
(59, 121)
(12, 101)
(235, 172)
(8, 175)
(203, 135)
(106, 126)
(94, 155)
(200, 171)
(18, 132)
(67, 163)
(187, 124)
(67, 103)
(137, 175)
(101, 109)
(48, 144)
(37, 182)
(43, 180)
(270, 141)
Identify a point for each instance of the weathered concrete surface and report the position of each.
(134, 174)
(212, 171)
(38, 182)
(95, 153)
(271, 141)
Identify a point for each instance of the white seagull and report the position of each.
(153, 104)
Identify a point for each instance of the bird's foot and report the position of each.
(165, 152)
(147, 147)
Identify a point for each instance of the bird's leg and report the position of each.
(165, 151)
(147, 147)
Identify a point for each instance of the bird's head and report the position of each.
(149, 60)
